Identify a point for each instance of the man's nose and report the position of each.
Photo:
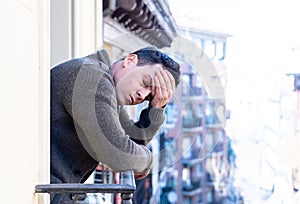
(142, 93)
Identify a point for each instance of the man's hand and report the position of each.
(140, 176)
(163, 88)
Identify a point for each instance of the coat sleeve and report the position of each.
(143, 131)
(90, 99)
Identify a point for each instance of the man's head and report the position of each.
(151, 56)
(146, 74)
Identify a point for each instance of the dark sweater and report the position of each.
(88, 126)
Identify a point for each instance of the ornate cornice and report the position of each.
(149, 20)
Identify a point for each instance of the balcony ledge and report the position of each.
(192, 193)
(191, 130)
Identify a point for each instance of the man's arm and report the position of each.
(94, 110)
(142, 131)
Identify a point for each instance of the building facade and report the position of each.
(195, 165)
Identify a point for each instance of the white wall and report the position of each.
(25, 38)
(76, 28)
(23, 88)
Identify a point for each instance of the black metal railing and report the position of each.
(79, 191)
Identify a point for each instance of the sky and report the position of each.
(265, 39)
(264, 46)
(265, 34)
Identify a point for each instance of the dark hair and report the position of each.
(151, 55)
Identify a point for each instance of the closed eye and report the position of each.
(145, 84)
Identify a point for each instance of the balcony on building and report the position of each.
(192, 157)
(143, 20)
(192, 117)
(191, 182)
(192, 89)
(215, 114)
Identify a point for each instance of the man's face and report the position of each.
(135, 84)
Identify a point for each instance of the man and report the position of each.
(88, 121)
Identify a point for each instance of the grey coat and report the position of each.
(88, 126)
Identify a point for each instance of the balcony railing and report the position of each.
(192, 188)
(79, 191)
(191, 122)
(192, 91)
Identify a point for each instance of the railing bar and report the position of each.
(84, 188)
(102, 173)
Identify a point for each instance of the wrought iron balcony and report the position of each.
(192, 188)
(79, 191)
(191, 122)
(190, 91)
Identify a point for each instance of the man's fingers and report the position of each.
(165, 79)
(141, 176)
(163, 88)
(172, 80)
(161, 85)
(168, 81)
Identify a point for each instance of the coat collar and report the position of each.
(103, 57)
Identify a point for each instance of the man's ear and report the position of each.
(130, 60)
